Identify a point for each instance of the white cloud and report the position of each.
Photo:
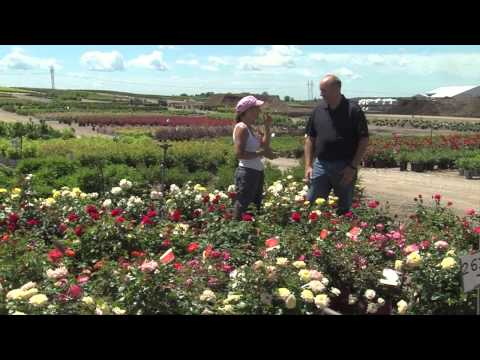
(217, 60)
(275, 56)
(103, 61)
(209, 67)
(458, 64)
(18, 59)
(192, 62)
(165, 47)
(344, 72)
(150, 61)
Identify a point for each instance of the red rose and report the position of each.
(75, 291)
(373, 204)
(226, 255)
(94, 215)
(5, 237)
(119, 219)
(116, 212)
(11, 227)
(232, 195)
(296, 216)
(476, 230)
(206, 199)
(196, 213)
(166, 243)
(146, 221)
(215, 254)
(54, 255)
(227, 268)
(152, 213)
(136, 253)
(192, 247)
(323, 234)
(317, 253)
(247, 217)
(222, 207)
(425, 244)
(176, 215)
(91, 209)
(78, 230)
(437, 197)
(70, 253)
(62, 228)
(313, 216)
(13, 218)
(355, 205)
(72, 217)
(82, 278)
(211, 208)
(178, 266)
(33, 222)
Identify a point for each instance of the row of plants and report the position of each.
(469, 166)
(416, 123)
(436, 151)
(31, 130)
(180, 252)
(97, 163)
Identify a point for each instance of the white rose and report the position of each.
(372, 308)
(325, 281)
(125, 184)
(38, 300)
(174, 188)
(93, 195)
(156, 195)
(322, 301)
(316, 286)
(381, 301)
(335, 291)
(118, 311)
(28, 286)
(231, 188)
(291, 301)
(116, 190)
(370, 294)
(208, 296)
(88, 300)
(107, 203)
(352, 299)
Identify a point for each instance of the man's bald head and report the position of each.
(330, 87)
(331, 79)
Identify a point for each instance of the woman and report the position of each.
(249, 150)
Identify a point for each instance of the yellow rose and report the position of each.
(308, 296)
(16, 191)
(14, 196)
(29, 293)
(402, 307)
(15, 294)
(76, 190)
(283, 293)
(304, 275)
(281, 261)
(331, 202)
(320, 201)
(50, 201)
(448, 263)
(322, 301)
(398, 265)
(3, 190)
(306, 203)
(299, 264)
(414, 259)
(88, 300)
(38, 300)
(451, 252)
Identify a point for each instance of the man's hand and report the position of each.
(348, 175)
(308, 174)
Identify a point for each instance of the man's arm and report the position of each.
(309, 147)
(361, 149)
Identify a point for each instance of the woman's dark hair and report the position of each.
(238, 117)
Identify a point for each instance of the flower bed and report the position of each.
(181, 253)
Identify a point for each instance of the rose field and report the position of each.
(131, 251)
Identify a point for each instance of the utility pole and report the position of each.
(52, 76)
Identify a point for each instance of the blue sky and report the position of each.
(278, 69)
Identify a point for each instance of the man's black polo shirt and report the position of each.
(337, 131)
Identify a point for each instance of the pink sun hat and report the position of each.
(247, 102)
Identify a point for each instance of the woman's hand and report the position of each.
(267, 120)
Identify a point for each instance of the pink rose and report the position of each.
(148, 266)
(441, 245)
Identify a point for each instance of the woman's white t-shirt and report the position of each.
(253, 144)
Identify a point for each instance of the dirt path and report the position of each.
(79, 131)
(400, 188)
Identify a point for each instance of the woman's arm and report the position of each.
(241, 136)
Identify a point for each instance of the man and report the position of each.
(336, 139)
